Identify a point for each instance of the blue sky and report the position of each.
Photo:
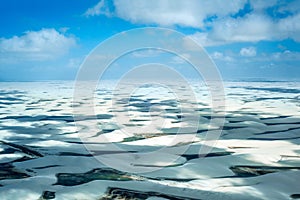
(46, 40)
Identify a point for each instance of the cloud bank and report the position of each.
(45, 44)
(217, 21)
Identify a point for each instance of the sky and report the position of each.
(246, 39)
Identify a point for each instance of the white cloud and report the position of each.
(101, 8)
(213, 18)
(220, 56)
(259, 5)
(285, 56)
(252, 56)
(289, 27)
(36, 45)
(205, 39)
(251, 28)
(248, 51)
(190, 13)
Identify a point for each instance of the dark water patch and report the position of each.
(138, 95)
(207, 110)
(133, 138)
(173, 179)
(171, 103)
(103, 131)
(271, 139)
(24, 158)
(238, 94)
(279, 131)
(282, 123)
(144, 109)
(23, 148)
(54, 110)
(204, 130)
(277, 117)
(237, 147)
(75, 105)
(80, 142)
(9, 150)
(88, 117)
(233, 121)
(32, 108)
(215, 154)
(133, 124)
(246, 113)
(10, 99)
(48, 166)
(250, 171)
(25, 118)
(266, 99)
(143, 104)
(11, 103)
(30, 170)
(47, 195)
(104, 116)
(121, 193)
(131, 99)
(71, 179)
(139, 120)
(290, 156)
(209, 117)
(10, 163)
(96, 153)
(101, 102)
(271, 89)
(295, 196)
(178, 131)
(177, 117)
(271, 98)
(74, 154)
(8, 171)
(228, 127)
(66, 118)
(173, 110)
(11, 92)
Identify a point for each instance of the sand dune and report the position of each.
(44, 155)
